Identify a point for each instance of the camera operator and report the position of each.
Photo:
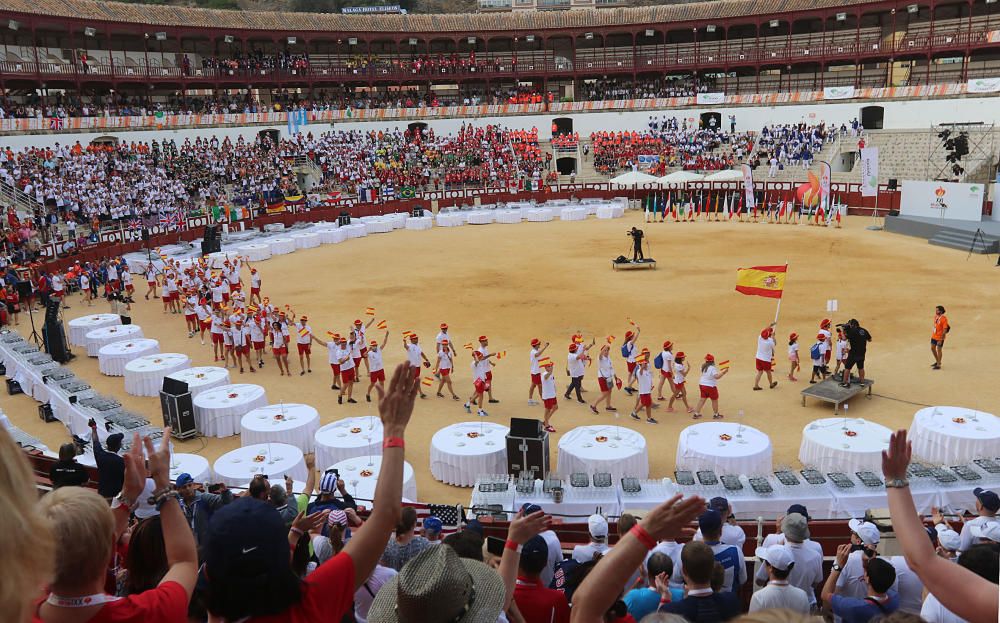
(858, 338)
(636, 235)
(121, 305)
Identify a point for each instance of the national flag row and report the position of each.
(774, 207)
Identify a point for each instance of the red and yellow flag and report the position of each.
(303, 332)
(370, 311)
(766, 281)
(382, 324)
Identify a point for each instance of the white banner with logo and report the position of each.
(825, 177)
(869, 171)
(983, 85)
(710, 99)
(748, 199)
(838, 93)
(946, 200)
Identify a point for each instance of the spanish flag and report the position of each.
(766, 281)
(370, 311)
(382, 324)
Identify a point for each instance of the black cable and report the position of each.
(909, 402)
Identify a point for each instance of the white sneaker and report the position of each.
(532, 403)
(482, 413)
(467, 408)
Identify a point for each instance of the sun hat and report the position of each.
(145, 510)
(358, 322)
(439, 587)
(572, 347)
(535, 342)
(373, 343)
(482, 338)
(709, 357)
(793, 336)
(667, 344)
(445, 342)
(778, 556)
(820, 336)
(680, 355)
(795, 527)
(444, 325)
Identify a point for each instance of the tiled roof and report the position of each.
(457, 24)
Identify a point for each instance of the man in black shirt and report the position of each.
(110, 466)
(636, 235)
(66, 472)
(858, 338)
(702, 604)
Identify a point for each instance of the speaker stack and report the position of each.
(527, 448)
(53, 335)
(212, 241)
(178, 408)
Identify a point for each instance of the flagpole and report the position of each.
(777, 311)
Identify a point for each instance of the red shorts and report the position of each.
(679, 386)
(190, 317)
(549, 402)
(444, 372)
(416, 372)
(130, 288)
(605, 384)
(364, 351)
(347, 376)
(217, 338)
(281, 350)
(235, 287)
(665, 372)
(258, 345)
(377, 375)
(763, 366)
(489, 375)
(304, 349)
(336, 369)
(225, 297)
(480, 385)
(826, 357)
(115, 284)
(536, 379)
(207, 322)
(709, 392)
(357, 361)
(150, 283)
(645, 400)
(254, 291)
(216, 305)
(631, 366)
(243, 350)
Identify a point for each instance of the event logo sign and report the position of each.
(950, 200)
(646, 161)
(749, 202)
(983, 85)
(710, 98)
(869, 171)
(838, 93)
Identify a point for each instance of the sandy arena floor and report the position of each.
(548, 280)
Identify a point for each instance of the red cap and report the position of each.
(680, 355)
(572, 347)
(709, 357)
(482, 338)
(536, 342)
(413, 337)
(766, 333)
(628, 334)
(793, 336)
(824, 323)
(303, 318)
(444, 342)
(358, 323)
(373, 343)
(667, 344)
(444, 325)
(644, 350)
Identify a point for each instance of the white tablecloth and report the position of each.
(306, 240)
(273, 460)
(844, 445)
(80, 327)
(111, 359)
(610, 211)
(192, 464)
(355, 230)
(508, 217)
(144, 375)
(724, 447)
(450, 219)
(598, 449)
(331, 236)
(217, 412)
(361, 473)
(97, 338)
(294, 424)
(398, 219)
(255, 252)
(462, 452)
(202, 378)
(377, 225)
(348, 438)
(479, 217)
(539, 215)
(573, 214)
(282, 246)
(954, 435)
(419, 223)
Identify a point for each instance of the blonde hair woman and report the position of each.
(27, 543)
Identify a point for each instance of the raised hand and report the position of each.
(525, 527)
(135, 471)
(896, 457)
(396, 405)
(309, 523)
(159, 460)
(668, 520)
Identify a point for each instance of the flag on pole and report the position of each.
(382, 324)
(369, 311)
(725, 207)
(766, 281)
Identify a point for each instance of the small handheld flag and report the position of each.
(611, 339)
(407, 333)
(331, 334)
(382, 324)
(630, 320)
(468, 346)
(501, 354)
(428, 381)
(723, 364)
(303, 332)
(370, 311)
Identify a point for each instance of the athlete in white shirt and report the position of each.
(279, 346)
(631, 351)
(479, 383)
(605, 378)
(303, 342)
(576, 365)
(151, 281)
(255, 282)
(536, 373)
(241, 345)
(415, 356)
(376, 369)
(484, 349)
(348, 371)
(257, 328)
(332, 355)
(442, 336)
(548, 392)
(765, 357)
(681, 368)
(644, 377)
(708, 386)
(442, 368)
(667, 371)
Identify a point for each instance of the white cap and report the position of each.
(145, 510)
(989, 531)
(866, 531)
(778, 556)
(948, 538)
(598, 526)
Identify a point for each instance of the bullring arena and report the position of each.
(217, 224)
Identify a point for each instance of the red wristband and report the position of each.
(640, 533)
(513, 546)
(393, 442)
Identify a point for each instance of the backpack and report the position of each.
(815, 351)
(658, 362)
(625, 349)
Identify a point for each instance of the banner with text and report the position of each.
(825, 177)
(749, 202)
(838, 93)
(946, 200)
(983, 85)
(869, 171)
(710, 99)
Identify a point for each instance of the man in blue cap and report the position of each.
(551, 541)
(729, 556)
(432, 529)
(534, 599)
(199, 506)
(987, 505)
(732, 533)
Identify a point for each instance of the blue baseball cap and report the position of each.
(183, 479)
(247, 539)
(528, 508)
(535, 548)
(433, 524)
(710, 521)
(474, 525)
(798, 508)
(988, 499)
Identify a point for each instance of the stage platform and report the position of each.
(630, 265)
(951, 233)
(831, 391)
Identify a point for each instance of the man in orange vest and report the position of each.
(941, 329)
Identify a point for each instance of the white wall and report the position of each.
(899, 115)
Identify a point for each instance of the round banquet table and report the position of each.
(954, 435)
(144, 375)
(377, 225)
(349, 438)
(80, 327)
(217, 412)
(306, 240)
(450, 219)
(360, 477)
(331, 236)
(599, 449)
(829, 447)
(508, 217)
(192, 464)
(202, 378)
(255, 252)
(573, 214)
(538, 215)
(97, 338)
(463, 451)
(724, 447)
(111, 359)
(292, 423)
(274, 460)
(398, 219)
(419, 223)
(479, 217)
(282, 246)
(355, 230)
(610, 211)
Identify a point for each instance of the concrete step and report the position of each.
(964, 241)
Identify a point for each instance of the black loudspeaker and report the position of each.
(344, 218)
(178, 414)
(52, 311)
(54, 341)
(418, 212)
(45, 413)
(13, 387)
(528, 455)
(893, 184)
(211, 232)
(525, 427)
(145, 234)
(173, 386)
(211, 246)
(24, 290)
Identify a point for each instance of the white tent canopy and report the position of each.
(680, 177)
(633, 178)
(728, 175)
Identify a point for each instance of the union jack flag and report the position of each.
(134, 224)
